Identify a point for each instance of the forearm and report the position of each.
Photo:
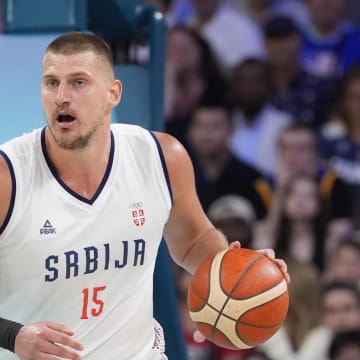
(8, 332)
(210, 242)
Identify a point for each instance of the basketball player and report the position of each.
(83, 206)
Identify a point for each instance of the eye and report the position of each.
(79, 83)
(51, 83)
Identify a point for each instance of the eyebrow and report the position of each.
(76, 74)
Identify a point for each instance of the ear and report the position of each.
(115, 93)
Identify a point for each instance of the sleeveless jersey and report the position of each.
(86, 263)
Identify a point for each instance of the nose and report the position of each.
(63, 95)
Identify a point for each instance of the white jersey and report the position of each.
(86, 263)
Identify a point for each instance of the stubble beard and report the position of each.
(77, 143)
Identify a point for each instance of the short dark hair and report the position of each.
(341, 285)
(76, 42)
(280, 26)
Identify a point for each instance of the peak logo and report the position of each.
(47, 228)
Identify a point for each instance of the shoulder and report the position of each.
(178, 164)
(174, 152)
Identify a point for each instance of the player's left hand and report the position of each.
(269, 253)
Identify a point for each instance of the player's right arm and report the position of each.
(38, 341)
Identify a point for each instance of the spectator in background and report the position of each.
(263, 10)
(235, 217)
(192, 76)
(331, 44)
(306, 97)
(302, 317)
(340, 306)
(257, 122)
(301, 233)
(232, 35)
(217, 171)
(298, 154)
(344, 263)
(345, 345)
(339, 311)
(341, 149)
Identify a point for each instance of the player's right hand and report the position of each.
(46, 341)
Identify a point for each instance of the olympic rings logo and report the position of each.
(136, 205)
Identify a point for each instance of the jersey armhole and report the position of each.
(13, 192)
(164, 166)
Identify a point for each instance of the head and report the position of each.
(197, 74)
(298, 151)
(234, 216)
(209, 130)
(349, 100)
(302, 198)
(283, 42)
(251, 84)
(344, 262)
(303, 206)
(326, 15)
(345, 345)
(184, 47)
(78, 89)
(340, 306)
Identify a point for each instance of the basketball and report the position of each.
(238, 298)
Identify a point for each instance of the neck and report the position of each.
(283, 76)
(213, 165)
(83, 169)
(301, 227)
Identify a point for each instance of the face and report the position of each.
(183, 50)
(345, 264)
(78, 93)
(210, 131)
(302, 201)
(341, 310)
(352, 102)
(297, 152)
(349, 352)
(251, 85)
(328, 13)
(283, 52)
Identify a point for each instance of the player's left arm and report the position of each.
(189, 234)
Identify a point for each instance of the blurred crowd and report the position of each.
(265, 95)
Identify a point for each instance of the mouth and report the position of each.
(65, 118)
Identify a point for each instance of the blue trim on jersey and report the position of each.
(62, 183)
(13, 192)
(163, 163)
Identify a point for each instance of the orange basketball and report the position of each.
(238, 298)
